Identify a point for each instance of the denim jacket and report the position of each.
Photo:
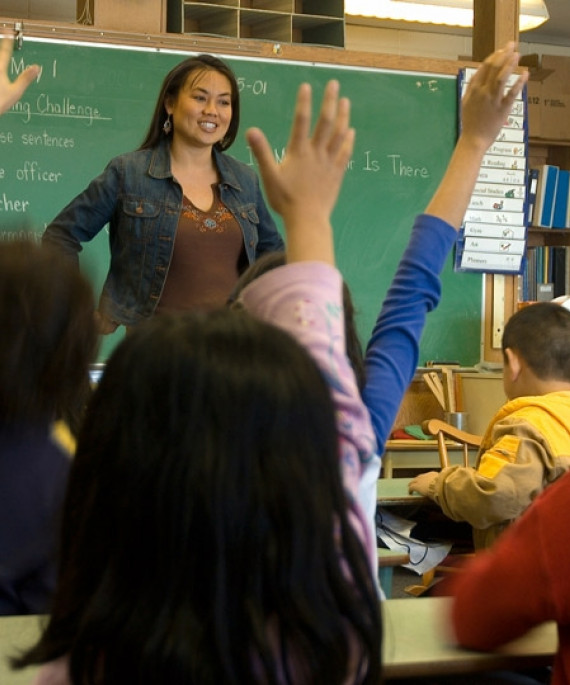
(138, 197)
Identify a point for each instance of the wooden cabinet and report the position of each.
(46, 10)
(318, 22)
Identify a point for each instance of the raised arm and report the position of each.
(11, 92)
(392, 353)
(484, 110)
(305, 296)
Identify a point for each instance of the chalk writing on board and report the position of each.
(257, 87)
(48, 106)
(30, 171)
(395, 165)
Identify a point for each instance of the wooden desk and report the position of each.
(417, 454)
(394, 491)
(387, 559)
(416, 643)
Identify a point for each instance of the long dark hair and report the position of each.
(48, 335)
(173, 84)
(206, 538)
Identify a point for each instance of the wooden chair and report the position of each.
(445, 431)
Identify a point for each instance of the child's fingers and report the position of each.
(263, 154)
(328, 114)
(345, 152)
(26, 77)
(341, 127)
(514, 90)
(6, 48)
(260, 147)
(301, 126)
(495, 67)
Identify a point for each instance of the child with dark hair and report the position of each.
(48, 341)
(209, 534)
(221, 539)
(527, 443)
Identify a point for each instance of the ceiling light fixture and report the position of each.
(533, 13)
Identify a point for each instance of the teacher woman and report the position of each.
(184, 217)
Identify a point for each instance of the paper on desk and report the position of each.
(395, 533)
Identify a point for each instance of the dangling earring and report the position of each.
(167, 126)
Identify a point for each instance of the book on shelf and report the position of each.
(545, 273)
(545, 195)
(561, 214)
(532, 184)
(544, 292)
(559, 260)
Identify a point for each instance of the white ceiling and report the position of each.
(556, 30)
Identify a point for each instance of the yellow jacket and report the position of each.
(525, 447)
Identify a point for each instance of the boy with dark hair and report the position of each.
(527, 444)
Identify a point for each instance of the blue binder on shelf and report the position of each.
(560, 214)
(545, 195)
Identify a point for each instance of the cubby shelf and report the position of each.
(317, 22)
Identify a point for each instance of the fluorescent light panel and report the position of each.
(533, 13)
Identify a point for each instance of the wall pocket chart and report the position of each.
(493, 236)
(94, 101)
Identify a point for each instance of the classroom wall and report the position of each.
(437, 45)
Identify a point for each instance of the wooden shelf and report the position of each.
(316, 22)
(542, 151)
(538, 237)
(549, 142)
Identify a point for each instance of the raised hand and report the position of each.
(11, 92)
(487, 101)
(304, 188)
(484, 110)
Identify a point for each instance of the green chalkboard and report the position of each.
(92, 102)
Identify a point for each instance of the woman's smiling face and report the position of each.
(202, 111)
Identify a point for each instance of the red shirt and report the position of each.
(521, 581)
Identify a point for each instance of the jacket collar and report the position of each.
(159, 166)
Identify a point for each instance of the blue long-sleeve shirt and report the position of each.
(392, 352)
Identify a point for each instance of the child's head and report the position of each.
(272, 260)
(205, 505)
(538, 337)
(48, 333)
